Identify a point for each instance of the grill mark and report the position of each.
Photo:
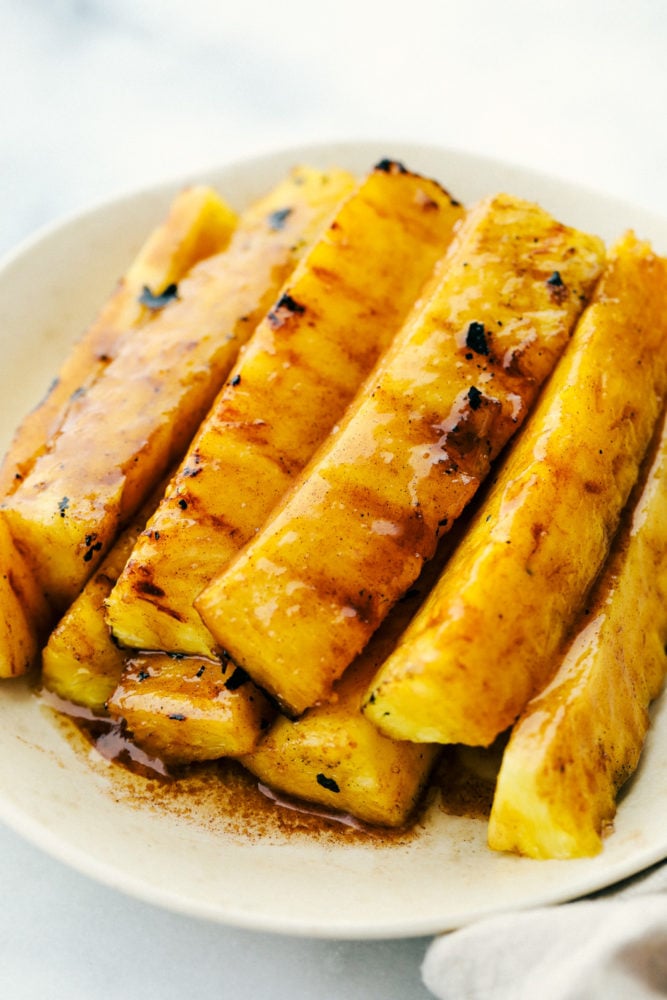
(15, 587)
(336, 283)
(390, 552)
(471, 448)
(170, 612)
(147, 587)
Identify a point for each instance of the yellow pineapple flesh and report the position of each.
(80, 662)
(292, 382)
(24, 613)
(184, 709)
(198, 225)
(305, 595)
(131, 425)
(334, 757)
(579, 739)
(486, 639)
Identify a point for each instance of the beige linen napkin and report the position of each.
(612, 946)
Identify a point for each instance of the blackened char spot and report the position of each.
(328, 783)
(237, 680)
(278, 218)
(476, 338)
(158, 300)
(557, 288)
(92, 547)
(391, 166)
(285, 307)
(474, 397)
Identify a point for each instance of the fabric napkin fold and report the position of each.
(611, 946)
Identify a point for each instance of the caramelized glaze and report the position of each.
(224, 792)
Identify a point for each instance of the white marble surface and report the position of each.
(98, 97)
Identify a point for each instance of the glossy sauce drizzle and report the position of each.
(462, 784)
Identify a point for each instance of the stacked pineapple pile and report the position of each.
(236, 504)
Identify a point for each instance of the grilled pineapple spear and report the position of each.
(486, 639)
(180, 709)
(581, 738)
(24, 612)
(333, 756)
(292, 382)
(123, 434)
(336, 758)
(184, 709)
(199, 224)
(303, 598)
(80, 662)
(340, 309)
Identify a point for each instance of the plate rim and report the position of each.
(63, 851)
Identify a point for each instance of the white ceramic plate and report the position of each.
(191, 855)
